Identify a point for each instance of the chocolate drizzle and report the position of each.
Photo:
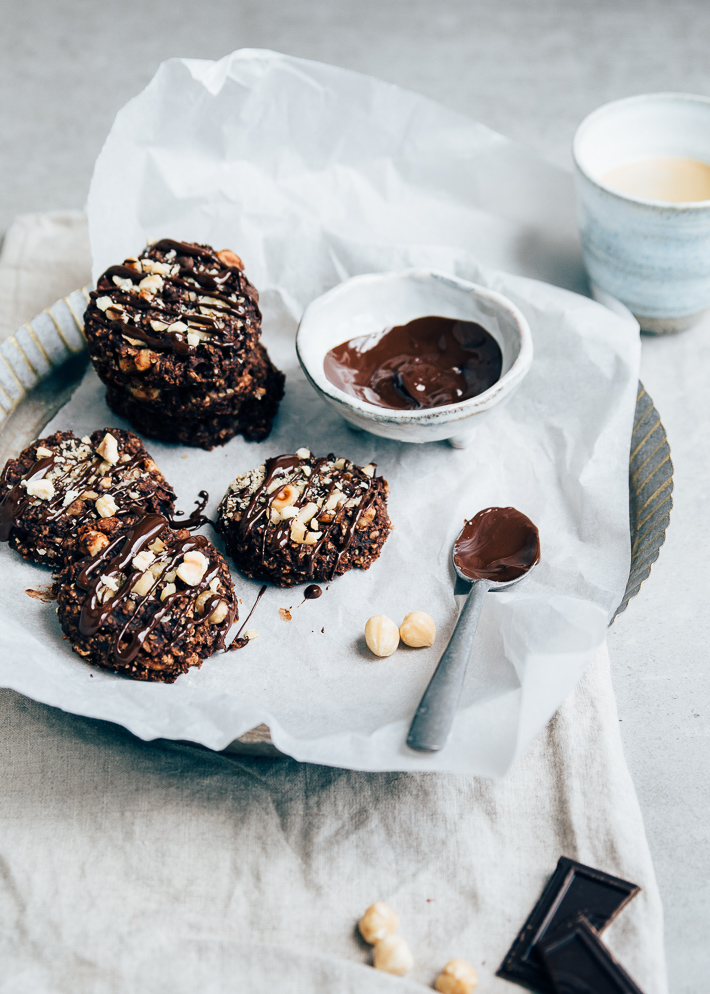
(312, 592)
(239, 641)
(172, 304)
(276, 536)
(113, 564)
(499, 544)
(79, 475)
(16, 500)
(429, 362)
(196, 519)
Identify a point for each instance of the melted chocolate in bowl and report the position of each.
(500, 544)
(429, 362)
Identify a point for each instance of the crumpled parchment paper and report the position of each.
(314, 174)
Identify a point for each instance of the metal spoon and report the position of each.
(435, 715)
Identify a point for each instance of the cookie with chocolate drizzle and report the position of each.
(149, 602)
(175, 332)
(62, 482)
(301, 518)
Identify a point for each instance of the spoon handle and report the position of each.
(435, 715)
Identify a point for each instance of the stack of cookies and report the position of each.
(175, 336)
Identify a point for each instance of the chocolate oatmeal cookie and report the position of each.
(250, 413)
(300, 518)
(175, 333)
(62, 482)
(150, 602)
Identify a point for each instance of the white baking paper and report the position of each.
(313, 174)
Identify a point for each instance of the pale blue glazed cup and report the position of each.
(652, 255)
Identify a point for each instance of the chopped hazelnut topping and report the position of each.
(106, 506)
(108, 449)
(44, 489)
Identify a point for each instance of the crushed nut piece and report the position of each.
(69, 497)
(95, 542)
(143, 584)
(108, 449)
(44, 489)
(143, 560)
(193, 567)
(152, 283)
(144, 360)
(106, 506)
(168, 590)
(298, 530)
(306, 512)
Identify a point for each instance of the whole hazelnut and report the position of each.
(418, 629)
(457, 977)
(378, 921)
(381, 635)
(230, 259)
(219, 613)
(392, 954)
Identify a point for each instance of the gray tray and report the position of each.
(42, 363)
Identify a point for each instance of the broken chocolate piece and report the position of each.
(579, 963)
(573, 889)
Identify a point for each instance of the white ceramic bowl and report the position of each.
(366, 304)
(652, 255)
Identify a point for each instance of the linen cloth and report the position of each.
(157, 867)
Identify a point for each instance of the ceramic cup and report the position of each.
(370, 303)
(652, 255)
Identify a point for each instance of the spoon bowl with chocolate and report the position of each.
(494, 550)
(417, 356)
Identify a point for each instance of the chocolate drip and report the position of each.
(189, 279)
(499, 544)
(312, 592)
(239, 642)
(117, 557)
(429, 362)
(196, 519)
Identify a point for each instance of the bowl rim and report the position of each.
(663, 96)
(481, 402)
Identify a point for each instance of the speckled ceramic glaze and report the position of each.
(365, 304)
(652, 255)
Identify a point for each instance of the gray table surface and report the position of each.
(531, 71)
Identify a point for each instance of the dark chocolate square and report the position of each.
(573, 889)
(579, 963)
